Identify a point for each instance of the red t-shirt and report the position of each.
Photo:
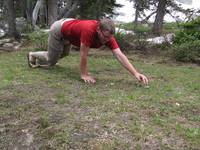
(85, 31)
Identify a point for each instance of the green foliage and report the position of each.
(120, 38)
(44, 121)
(182, 37)
(187, 51)
(39, 40)
(134, 41)
(26, 28)
(140, 41)
(186, 43)
(95, 9)
(190, 31)
(192, 26)
(141, 32)
(141, 28)
(127, 26)
(170, 27)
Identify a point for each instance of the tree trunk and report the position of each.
(35, 12)
(42, 13)
(24, 8)
(52, 11)
(11, 15)
(82, 9)
(70, 10)
(158, 23)
(29, 10)
(64, 10)
(99, 5)
(136, 13)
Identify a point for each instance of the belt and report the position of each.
(66, 19)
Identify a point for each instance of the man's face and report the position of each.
(104, 36)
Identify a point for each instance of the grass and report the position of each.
(54, 109)
(170, 27)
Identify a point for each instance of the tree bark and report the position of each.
(11, 15)
(64, 10)
(99, 5)
(158, 23)
(35, 12)
(70, 10)
(52, 11)
(42, 13)
(136, 13)
(29, 10)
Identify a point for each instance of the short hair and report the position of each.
(107, 24)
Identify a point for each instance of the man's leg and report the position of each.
(37, 59)
(66, 49)
(55, 48)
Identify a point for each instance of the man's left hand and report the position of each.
(142, 78)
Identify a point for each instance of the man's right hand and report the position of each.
(88, 79)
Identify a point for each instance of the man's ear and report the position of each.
(98, 29)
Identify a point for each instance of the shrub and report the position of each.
(139, 28)
(182, 37)
(130, 42)
(140, 41)
(186, 43)
(134, 40)
(120, 38)
(142, 29)
(127, 26)
(170, 27)
(39, 40)
(27, 28)
(187, 51)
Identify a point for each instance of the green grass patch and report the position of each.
(62, 112)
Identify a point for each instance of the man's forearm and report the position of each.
(125, 62)
(83, 59)
(83, 66)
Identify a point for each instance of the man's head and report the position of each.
(106, 29)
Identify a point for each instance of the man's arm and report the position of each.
(83, 64)
(126, 64)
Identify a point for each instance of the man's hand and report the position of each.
(88, 79)
(142, 78)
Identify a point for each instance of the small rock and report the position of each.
(4, 41)
(2, 129)
(177, 104)
(17, 46)
(8, 45)
(16, 43)
(2, 33)
(29, 137)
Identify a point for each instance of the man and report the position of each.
(85, 34)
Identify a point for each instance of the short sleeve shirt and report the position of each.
(85, 31)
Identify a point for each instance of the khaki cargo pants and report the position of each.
(57, 46)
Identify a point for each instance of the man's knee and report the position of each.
(64, 53)
(66, 50)
(52, 63)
